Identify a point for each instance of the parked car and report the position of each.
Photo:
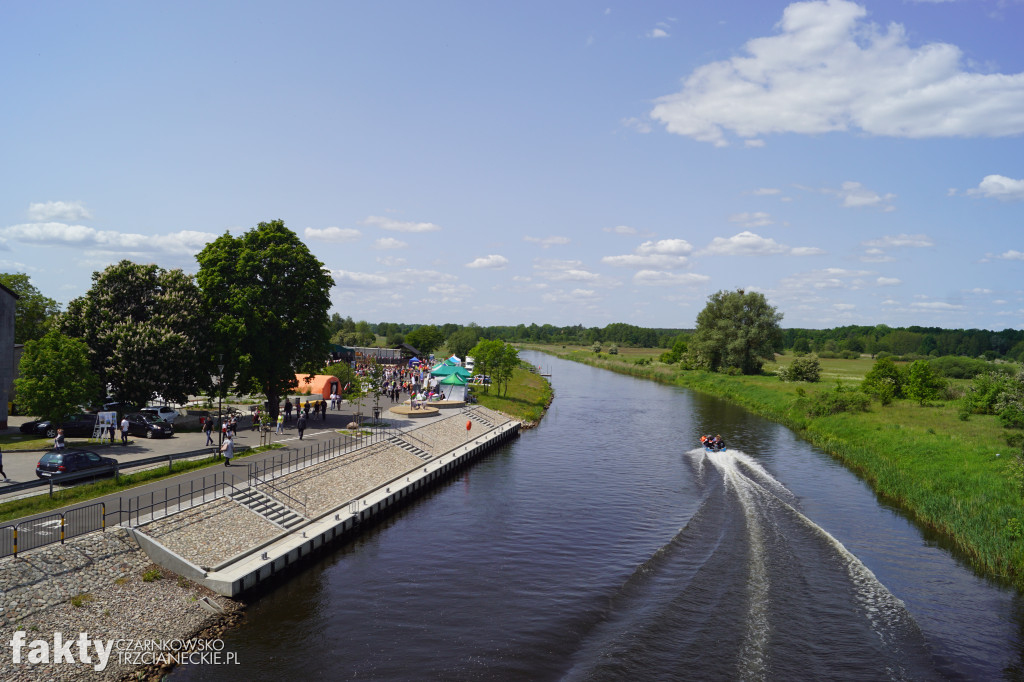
(161, 412)
(67, 461)
(140, 424)
(75, 425)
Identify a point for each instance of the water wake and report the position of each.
(750, 588)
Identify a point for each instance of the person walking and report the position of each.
(58, 440)
(300, 424)
(208, 430)
(124, 431)
(287, 410)
(228, 448)
(6, 480)
(280, 422)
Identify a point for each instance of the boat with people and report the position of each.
(712, 443)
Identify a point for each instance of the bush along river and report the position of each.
(605, 545)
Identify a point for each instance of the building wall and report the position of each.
(7, 302)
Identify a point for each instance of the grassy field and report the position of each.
(941, 470)
(526, 398)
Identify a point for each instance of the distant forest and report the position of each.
(847, 341)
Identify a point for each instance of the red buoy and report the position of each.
(468, 424)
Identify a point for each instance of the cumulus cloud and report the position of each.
(664, 253)
(332, 234)
(407, 278)
(856, 195)
(825, 278)
(659, 278)
(888, 281)
(182, 243)
(900, 240)
(564, 270)
(828, 69)
(747, 243)
(547, 241)
(657, 33)
(62, 211)
(766, 191)
(493, 262)
(398, 225)
(1011, 255)
(757, 219)
(389, 243)
(999, 187)
(936, 305)
(621, 229)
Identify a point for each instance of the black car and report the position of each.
(75, 425)
(66, 461)
(140, 424)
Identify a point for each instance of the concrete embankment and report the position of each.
(169, 578)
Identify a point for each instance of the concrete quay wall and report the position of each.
(267, 562)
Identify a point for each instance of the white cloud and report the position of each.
(753, 143)
(575, 297)
(825, 278)
(398, 225)
(843, 306)
(888, 281)
(58, 210)
(493, 262)
(936, 305)
(657, 33)
(900, 240)
(1011, 255)
(665, 254)
(747, 243)
(660, 278)
(757, 219)
(828, 69)
(333, 234)
(564, 270)
(182, 243)
(547, 241)
(766, 191)
(856, 195)
(640, 125)
(389, 243)
(358, 279)
(999, 187)
(620, 229)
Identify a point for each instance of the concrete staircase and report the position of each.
(477, 416)
(268, 508)
(406, 445)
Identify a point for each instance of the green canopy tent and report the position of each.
(453, 387)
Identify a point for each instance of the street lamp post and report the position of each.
(220, 397)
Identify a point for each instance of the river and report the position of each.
(604, 545)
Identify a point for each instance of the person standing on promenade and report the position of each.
(280, 422)
(2, 466)
(287, 410)
(228, 448)
(124, 431)
(58, 440)
(300, 424)
(208, 430)
(111, 428)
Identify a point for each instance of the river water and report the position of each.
(604, 545)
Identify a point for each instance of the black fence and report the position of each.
(57, 527)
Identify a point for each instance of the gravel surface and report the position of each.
(103, 574)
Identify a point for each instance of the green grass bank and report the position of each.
(943, 472)
(527, 397)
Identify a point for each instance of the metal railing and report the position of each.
(52, 528)
(256, 481)
(56, 527)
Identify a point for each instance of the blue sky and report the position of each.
(563, 163)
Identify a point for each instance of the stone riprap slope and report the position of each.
(329, 485)
(443, 436)
(104, 572)
(213, 532)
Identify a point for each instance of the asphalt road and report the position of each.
(21, 466)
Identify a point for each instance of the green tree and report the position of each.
(33, 312)
(462, 341)
(425, 339)
(268, 298)
(678, 351)
(884, 380)
(145, 330)
(55, 376)
(736, 331)
(922, 382)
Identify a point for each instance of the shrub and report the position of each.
(922, 384)
(613, 349)
(957, 367)
(839, 399)
(885, 380)
(806, 368)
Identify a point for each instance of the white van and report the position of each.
(468, 364)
